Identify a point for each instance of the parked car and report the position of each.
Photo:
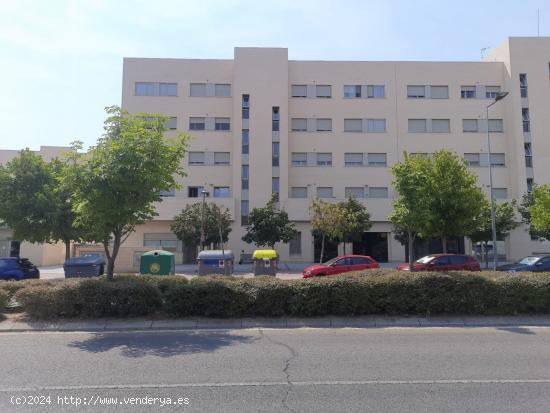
(533, 263)
(14, 268)
(443, 262)
(339, 265)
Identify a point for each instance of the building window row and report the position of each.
(209, 158)
(481, 159)
(211, 124)
(328, 192)
(364, 91)
(480, 125)
(210, 90)
(155, 89)
(302, 159)
(311, 91)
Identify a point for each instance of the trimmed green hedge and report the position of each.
(4, 300)
(369, 292)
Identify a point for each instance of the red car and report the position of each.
(443, 262)
(340, 264)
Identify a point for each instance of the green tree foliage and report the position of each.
(268, 225)
(356, 220)
(524, 210)
(187, 224)
(34, 201)
(325, 219)
(119, 180)
(409, 213)
(504, 223)
(539, 209)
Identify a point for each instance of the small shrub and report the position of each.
(4, 300)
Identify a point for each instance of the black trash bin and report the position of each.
(84, 266)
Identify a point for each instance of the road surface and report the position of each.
(296, 370)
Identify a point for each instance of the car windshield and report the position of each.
(425, 260)
(528, 260)
(332, 261)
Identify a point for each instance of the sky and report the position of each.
(61, 60)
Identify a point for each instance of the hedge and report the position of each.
(368, 292)
(4, 299)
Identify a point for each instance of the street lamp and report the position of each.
(499, 96)
(204, 195)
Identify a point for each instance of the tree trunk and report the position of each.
(344, 247)
(411, 250)
(322, 249)
(444, 243)
(111, 257)
(67, 249)
(486, 253)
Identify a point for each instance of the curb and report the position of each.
(275, 323)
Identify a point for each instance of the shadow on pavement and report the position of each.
(517, 330)
(165, 344)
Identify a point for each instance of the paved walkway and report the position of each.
(15, 323)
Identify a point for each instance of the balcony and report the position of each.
(171, 206)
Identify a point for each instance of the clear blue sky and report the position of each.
(61, 61)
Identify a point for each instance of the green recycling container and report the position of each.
(157, 262)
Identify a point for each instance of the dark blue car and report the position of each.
(533, 263)
(14, 268)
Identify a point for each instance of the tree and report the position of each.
(34, 202)
(325, 219)
(539, 209)
(119, 180)
(356, 220)
(453, 199)
(268, 225)
(523, 208)
(187, 224)
(504, 222)
(410, 207)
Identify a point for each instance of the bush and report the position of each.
(368, 292)
(4, 300)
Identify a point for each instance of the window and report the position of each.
(324, 159)
(530, 185)
(196, 158)
(472, 159)
(221, 192)
(528, 155)
(275, 185)
(378, 192)
(352, 91)
(416, 92)
(458, 259)
(500, 193)
(172, 123)
(469, 125)
(245, 142)
(298, 124)
(194, 191)
(417, 125)
(360, 261)
(299, 158)
(353, 159)
(497, 159)
(376, 91)
(144, 89)
(323, 91)
(275, 154)
(197, 123)
(439, 92)
(523, 84)
(246, 101)
(171, 192)
(221, 89)
(299, 91)
(167, 242)
(168, 89)
(324, 125)
(222, 123)
(495, 125)
(491, 92)
(295, 245)
(244, 176)
(198, 89)
(441, 125)
(525, 117)
(246, 113)
(221, 158)
(353, 125)
(275, 118)
(355, 192)
(377, 159)
(324, 192)
(468, 92)
(298, 192)
(244, 212)
(376, 125)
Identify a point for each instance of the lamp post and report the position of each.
(499, 96)
(204, 195)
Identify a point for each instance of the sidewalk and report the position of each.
(13, 323)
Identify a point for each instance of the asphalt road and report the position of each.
(301, 370)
